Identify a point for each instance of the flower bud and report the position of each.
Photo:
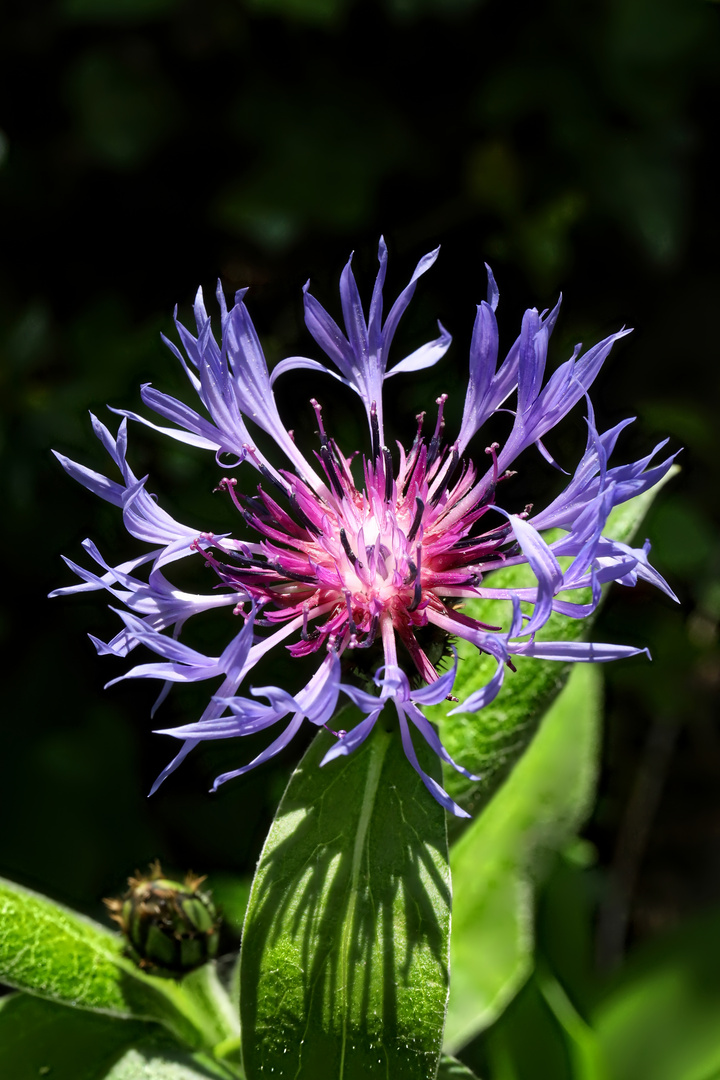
(170, 927)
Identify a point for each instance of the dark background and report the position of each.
(148, 146)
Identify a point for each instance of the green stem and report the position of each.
(207, 1021)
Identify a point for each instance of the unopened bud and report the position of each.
(170, 927)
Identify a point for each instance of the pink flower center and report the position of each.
(389, 552)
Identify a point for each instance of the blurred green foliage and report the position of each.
(150, 145)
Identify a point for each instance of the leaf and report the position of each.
(153, 1060)
(528, 1043)
(504, 852)
(452, 1069)
(582, 1047)
(40, 1038)
(491, 741)
(230, 893)
(57, 954)
(344, 963)
(659, 1020)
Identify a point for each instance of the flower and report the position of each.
(347, 559)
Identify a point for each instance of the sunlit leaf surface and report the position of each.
(345, 953)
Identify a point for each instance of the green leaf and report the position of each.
(39, 1038)
(505, 851)
(154, 1060)
(659, 1020)
(452, 1069)
(583, 1049)
(42, 1039)
(490, 742)
(344, 962)
(528, 1042)
(230, 893)
(55, 953)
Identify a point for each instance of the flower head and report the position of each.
(362, 561)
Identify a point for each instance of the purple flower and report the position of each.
(349, 559)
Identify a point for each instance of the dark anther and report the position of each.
(433, 451)
(370, 634)
(387, 457)
(454, 466)
(450, 476)
(279, 484)
(417, 592)
(413, 572)
(346, 547)
(331, 470)
(302, 517)
(246, 561)
(437, 436)
(306, 579)
(374, 432)
(351, 624)
(419, 511)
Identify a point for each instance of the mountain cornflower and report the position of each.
(359, 561)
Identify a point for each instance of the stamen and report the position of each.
(417, 593)
(331, 470)
(371, 634)
(294, 575)
(280, 485)
(439, 427)
(210, 560)
(419, 511)
(449, 477)
(302, 516)
(387, 457)
(338, 734)
(246, 561)
(318, 413)
(489, 496)
(352, 627)
(346, 547)
(229, 483)
(305, 634)
(342, 462)
(493, 449)
(374, 432)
